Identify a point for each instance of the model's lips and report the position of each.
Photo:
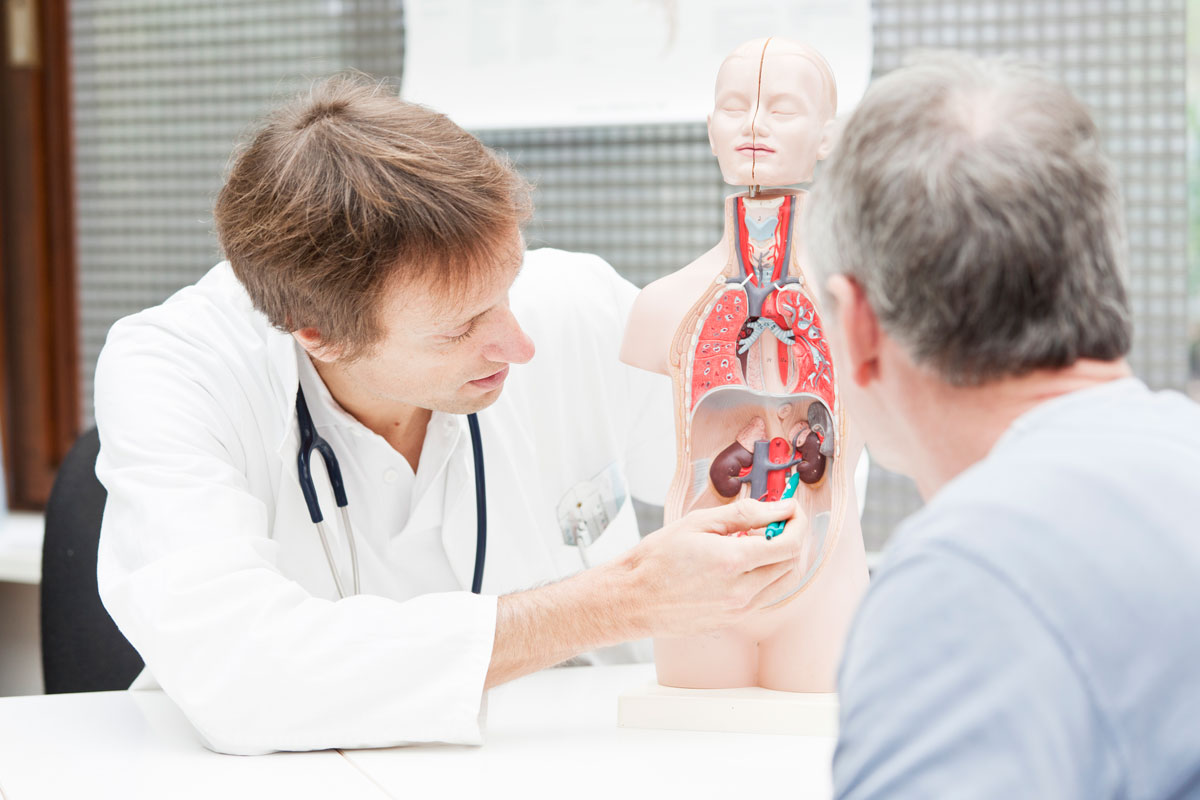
(491, 381)
(756, 149)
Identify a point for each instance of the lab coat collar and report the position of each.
(280, 346)
(281, 352)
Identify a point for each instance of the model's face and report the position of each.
(768, 130)
(442, 354)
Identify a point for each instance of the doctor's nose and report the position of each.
(509, 344)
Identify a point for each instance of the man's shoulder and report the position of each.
(215, 313)
(1098, 456)
(205, 342)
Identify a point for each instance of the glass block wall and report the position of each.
(1126, 60)
(162, 88)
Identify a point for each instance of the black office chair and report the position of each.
(82, 649)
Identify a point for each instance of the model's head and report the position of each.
(773, 112)
(970, 207)
(351, 213)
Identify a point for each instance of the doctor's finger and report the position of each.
(742, 515)
(787, 546)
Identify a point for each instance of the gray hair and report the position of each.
(972, 203)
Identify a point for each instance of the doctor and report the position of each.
(376, 268)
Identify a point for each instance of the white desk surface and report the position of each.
(553, 734)
(21, 536)
(135, 745)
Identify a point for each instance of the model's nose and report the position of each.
(759, 123)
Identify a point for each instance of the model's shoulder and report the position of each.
(691, 280)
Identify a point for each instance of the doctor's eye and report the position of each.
(460, 337)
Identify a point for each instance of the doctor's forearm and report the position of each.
(545, 626)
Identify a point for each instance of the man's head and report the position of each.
(969, 226)
(772, 115)
(365, 226)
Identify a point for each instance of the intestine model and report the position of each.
(740, 333)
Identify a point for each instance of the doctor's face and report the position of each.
(446, 352)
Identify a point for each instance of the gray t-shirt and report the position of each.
(1034, 631)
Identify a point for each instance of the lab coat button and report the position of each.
(390, 476)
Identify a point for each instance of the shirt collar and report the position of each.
(1029, 421)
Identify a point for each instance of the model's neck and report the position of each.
(402, 425)
(955, 427)
(766, 203)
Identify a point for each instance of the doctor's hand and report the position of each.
(691, 577)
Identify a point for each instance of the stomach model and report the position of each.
(755, 387)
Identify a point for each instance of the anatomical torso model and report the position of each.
(758, 415)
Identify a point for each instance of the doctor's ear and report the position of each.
(316, 346)
(830, 132)
(857, 327)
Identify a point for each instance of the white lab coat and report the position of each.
(211, 567)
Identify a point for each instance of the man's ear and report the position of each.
(858, 328)
(830, 132)
(708, 124)
(316, 346)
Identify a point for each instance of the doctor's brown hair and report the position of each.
(347, 187)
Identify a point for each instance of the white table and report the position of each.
(139, 745)
(555, 734)
(552, 734)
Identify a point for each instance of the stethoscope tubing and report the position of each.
(310, 440)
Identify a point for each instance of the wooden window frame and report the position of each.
(39, 321)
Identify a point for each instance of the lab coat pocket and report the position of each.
(596, 518)
(620, 535)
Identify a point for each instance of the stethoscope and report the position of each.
(310, 440)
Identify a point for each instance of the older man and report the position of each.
(1033, 631)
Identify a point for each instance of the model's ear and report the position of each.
(829, 137)
(857, 328)
(708, 124)
(316, 346)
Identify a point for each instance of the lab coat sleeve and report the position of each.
(188, 572)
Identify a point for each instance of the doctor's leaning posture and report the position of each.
(377, 289)
(1034, 631)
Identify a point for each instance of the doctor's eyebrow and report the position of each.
(520, 264)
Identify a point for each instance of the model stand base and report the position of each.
(745, 710)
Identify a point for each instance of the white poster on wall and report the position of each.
(546, 63)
